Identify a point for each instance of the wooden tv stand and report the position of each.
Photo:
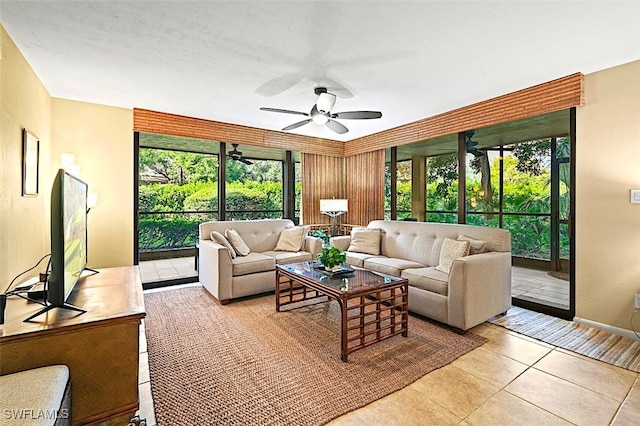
(100, 347)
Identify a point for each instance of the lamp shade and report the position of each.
(334, 205)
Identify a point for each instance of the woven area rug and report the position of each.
(583, 339)
(244, 363)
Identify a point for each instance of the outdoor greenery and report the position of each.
(318, 233)
(184, 193)
(526, 195)
(179, 190)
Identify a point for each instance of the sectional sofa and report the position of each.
(228, 273)
(460, 288)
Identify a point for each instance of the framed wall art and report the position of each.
(30, 163)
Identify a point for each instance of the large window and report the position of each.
(442, 188)
(254, 191)
(178, 188)
(508, 184)
(177, 191)
(404, 189)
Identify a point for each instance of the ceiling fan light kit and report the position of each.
(321, 113)
(326, 101)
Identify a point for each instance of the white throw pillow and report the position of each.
(365, 240)
(291, 239)
(220, 239)
(475, 246)
(237, 242)
(450, 251)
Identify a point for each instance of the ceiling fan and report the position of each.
(234, 154)
(321, 113)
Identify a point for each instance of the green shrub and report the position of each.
(167, 234)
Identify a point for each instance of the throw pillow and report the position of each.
(475, 246)
(450, 251)
(237, 242)
(220, 239)
(365, 240)
(291, 239)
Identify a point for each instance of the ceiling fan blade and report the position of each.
(336, 87)
(298, 124)
(284, 111)
(337, 127)
(357, 115)
(278, 85)
(245, 161)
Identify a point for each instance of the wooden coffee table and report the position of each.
(373, 307)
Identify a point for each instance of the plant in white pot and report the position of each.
(332, 258)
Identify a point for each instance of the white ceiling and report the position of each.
(223, 60)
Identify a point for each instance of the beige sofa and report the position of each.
(226, 278)
(477, 287)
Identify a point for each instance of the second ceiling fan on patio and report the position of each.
(234, 154)
(321, 113)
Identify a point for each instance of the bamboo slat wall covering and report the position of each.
(364, 181)
(178, 125)
(548, 97)
(322, 177)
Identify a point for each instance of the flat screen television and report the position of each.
(68, 240)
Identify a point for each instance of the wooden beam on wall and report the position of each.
(162, 123)
(555, 95)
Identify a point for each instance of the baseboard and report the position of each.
(606, 327)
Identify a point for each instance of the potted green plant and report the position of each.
(319, 233)
(332, 258)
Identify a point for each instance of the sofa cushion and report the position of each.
(450, 251)
(365, 240)
(291, 239)
(252, 262)
(220, 239)
(390, 265)
(237, 242)
(475, 246)
(357, 259)
(282, 257)
(429, 279)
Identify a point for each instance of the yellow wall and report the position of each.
(101, 138)
(24, 221)
(607, 167)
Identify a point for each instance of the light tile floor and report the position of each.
(510, 380)
(167, 269)
(538, 286)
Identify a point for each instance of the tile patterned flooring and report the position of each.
(511, 379)
(538, 286)
(167, 269)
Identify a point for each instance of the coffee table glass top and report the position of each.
(358, 280)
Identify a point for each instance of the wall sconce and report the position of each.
(67, 159)
(67, 162)
(92, 200)
(334, 208)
